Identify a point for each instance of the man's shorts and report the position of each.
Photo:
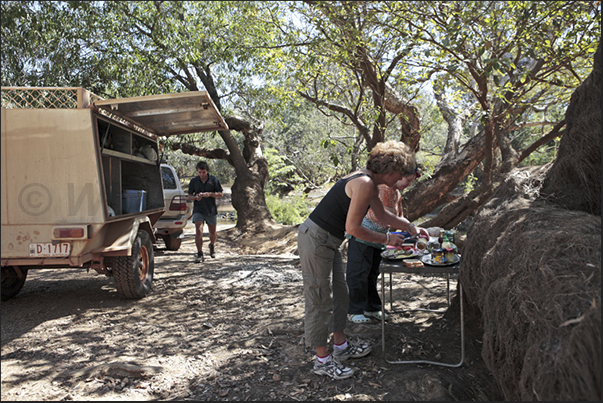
(209, 219)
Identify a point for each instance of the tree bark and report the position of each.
(408, 114)
(252, 174)
(426, 196)
(455, 122)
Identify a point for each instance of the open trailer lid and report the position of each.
(168, 114)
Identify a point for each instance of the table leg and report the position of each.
(391, 310)
(383, 309)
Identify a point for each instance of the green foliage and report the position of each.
(129, 48)
(283, 175)
(289, 210)
(469, 183)
(543, 154)
(298, 133)
(504, 52)
(41, 48)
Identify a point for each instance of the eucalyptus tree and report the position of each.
(349, 68)
(149, 47)
(499, 67)
(514, 60)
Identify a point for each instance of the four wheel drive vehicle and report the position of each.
(81, 180)
(170, 226)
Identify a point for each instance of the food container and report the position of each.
(449, 255)
(450, 236)
(422, 243)
(134, 201)
(437, 256)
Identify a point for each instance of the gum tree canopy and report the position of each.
(119, 49)
(503, 67)
(506, 68)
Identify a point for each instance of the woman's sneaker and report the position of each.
(354, 350)
(332, 368)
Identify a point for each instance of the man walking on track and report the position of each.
(204, 189)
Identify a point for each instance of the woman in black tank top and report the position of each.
(319, 238)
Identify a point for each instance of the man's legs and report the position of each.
(213, 235)
(212, 225)
(199, 239)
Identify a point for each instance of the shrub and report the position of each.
(289, 210)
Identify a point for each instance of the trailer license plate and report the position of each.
(48, 249)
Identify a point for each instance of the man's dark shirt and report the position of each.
(207, 205)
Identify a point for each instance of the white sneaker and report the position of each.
(358, 318)
(354, 350)
(332, 368)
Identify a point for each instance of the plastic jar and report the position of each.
(437, 256)
(449, 255)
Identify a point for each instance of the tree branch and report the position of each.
(556, 132)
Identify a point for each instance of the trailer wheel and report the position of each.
(172, 242)
(12, 281)
(133, 274)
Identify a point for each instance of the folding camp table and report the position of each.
(397, 266)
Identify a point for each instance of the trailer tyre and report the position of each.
(12, 281)
(133, 274)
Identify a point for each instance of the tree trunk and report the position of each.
(408, 114)
(455, 121)
(426, 196)
(456, 211)
(252, 174)
(250, 166)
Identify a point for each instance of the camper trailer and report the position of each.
(81, 180)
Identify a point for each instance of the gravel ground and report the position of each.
(228, 329)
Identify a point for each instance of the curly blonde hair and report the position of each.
(392, 156)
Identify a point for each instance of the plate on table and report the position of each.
(397, 254)
(426, 259)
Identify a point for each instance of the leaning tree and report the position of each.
(503, 67)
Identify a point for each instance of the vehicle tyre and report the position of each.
(133, 274)
(12, 281)
(172, 242)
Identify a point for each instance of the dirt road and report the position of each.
(228, 329)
